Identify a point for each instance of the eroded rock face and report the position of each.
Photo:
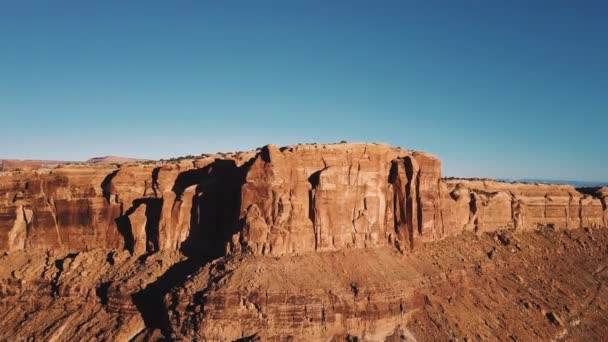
(275, 201)
(140, 208)
(318, 198)
(329, 197)
(498, 205)
(58, 209)
(172, 250)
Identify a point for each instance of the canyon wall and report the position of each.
(275, 201)
(177, 250)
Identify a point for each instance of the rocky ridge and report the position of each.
(176, 249)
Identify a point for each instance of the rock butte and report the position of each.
(164, 248)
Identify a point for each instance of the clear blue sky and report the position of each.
(494, 88)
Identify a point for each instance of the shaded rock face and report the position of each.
(284, 201)
(141, 208)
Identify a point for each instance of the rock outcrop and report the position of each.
(274, 201)
(180, 248)
(497, 205)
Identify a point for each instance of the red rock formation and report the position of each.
(178, 249)
(318, 197)
(497, 205)
(277, 201)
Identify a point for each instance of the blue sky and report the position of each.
(494, 88)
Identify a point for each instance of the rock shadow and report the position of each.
(106, 185)
(216, 204)
(150, 301)
(153, 212)
(123, 224)
(214, 219)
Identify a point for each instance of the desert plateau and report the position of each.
(303, 171)
(334, 242)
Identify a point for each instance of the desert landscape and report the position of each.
(303, 171)
(332, 242)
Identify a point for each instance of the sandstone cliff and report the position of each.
(275, 201)
(181, 248)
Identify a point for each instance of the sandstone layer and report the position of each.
(204, 247)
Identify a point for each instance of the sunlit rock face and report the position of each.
(274, 201)
(306, 242)
(307, 198)
(497, 205)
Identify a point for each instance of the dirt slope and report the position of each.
(543, 285)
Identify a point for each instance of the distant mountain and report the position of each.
(111, 160)
(32, 164)
(28, 164)
(575, 183)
